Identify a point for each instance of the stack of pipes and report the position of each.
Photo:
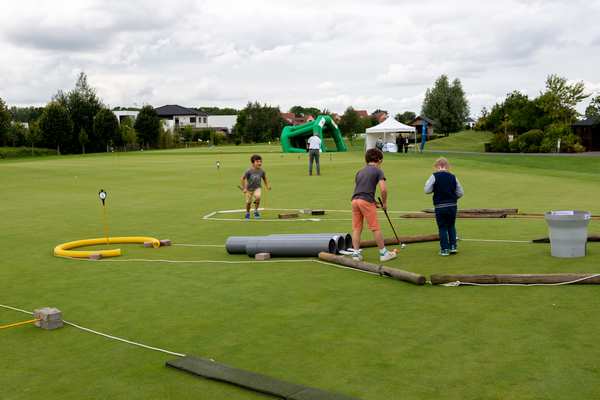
(289, 245)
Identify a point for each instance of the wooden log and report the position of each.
(403, 239)
(393, 273)
(508, 211)
(522, 279)
(288, 216)
(591, 238)
(460, 214)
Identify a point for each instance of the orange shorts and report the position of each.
(362, 209)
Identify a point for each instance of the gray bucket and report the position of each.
(568, 232)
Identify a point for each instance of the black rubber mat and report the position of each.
(252, 380)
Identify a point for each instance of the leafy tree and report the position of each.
(218, 111)
(106, 129)
(257, 123)
(446, 104)
(147, 126)
(83, 139)
(406, 117)
(26, 114)
(56, 126)
(128, 135)
(83, 104)
(350, 122)
(16, 134)
(300, 111)
(33, 135)
(560, 98)
(4, 121)
(593, 110)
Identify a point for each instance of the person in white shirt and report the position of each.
(314, 148)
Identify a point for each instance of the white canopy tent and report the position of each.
(387, 131)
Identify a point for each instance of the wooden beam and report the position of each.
(403, 239)
(523, 279)
(393, 273)
(508, 211)
(460, 214)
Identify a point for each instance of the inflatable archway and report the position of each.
(293, 138)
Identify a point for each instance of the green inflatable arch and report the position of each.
(293, 138)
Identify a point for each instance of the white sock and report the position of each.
(383, 251)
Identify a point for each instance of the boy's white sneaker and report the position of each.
(389, 255)
(356, 255)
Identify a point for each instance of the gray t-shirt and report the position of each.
(254, 178)
(366, 183)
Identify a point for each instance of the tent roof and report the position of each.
(390, 125)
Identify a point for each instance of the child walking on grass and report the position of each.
(446, 191)
(252, 183)
(364, 205)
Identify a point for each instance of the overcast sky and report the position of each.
(327, 54)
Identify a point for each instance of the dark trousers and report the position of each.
(313, 155)
(446, 218)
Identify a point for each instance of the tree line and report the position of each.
(531, 125)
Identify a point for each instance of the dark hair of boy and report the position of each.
(373, 155)
(255, 157)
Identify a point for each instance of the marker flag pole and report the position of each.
(102, 195)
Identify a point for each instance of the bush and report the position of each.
(529, 142)
(17, 152)
(498, 144)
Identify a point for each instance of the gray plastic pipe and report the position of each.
(290, 246)
(237, 244)
(343, 240)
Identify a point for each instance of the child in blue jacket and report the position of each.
(446, 191)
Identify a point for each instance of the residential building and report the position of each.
(418, 123)
(589, 132)
(175, 116)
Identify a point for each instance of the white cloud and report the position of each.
(380, 54)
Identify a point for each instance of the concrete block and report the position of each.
(262, 256)
(165, 242)
(288, 216)
(49, 318)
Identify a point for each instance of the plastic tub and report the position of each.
(568, 232)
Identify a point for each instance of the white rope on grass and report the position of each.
(494, 240)
(123, 340)
(16, 309)
(460, 283)
(103, 334)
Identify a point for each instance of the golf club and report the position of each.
(389, 220)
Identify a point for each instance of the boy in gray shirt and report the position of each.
(252, 183)
(365, 207)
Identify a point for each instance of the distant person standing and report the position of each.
(405, 144)
(314, 149)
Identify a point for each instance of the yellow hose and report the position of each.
(18, 323)
(64, 250)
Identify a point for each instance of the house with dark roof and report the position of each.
(470, 123)
(174, 116)
(292, 119)
(418, 123)
(588, 131)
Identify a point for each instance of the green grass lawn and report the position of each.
(461, 141)
(335, 329)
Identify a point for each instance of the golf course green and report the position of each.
(331, 328)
